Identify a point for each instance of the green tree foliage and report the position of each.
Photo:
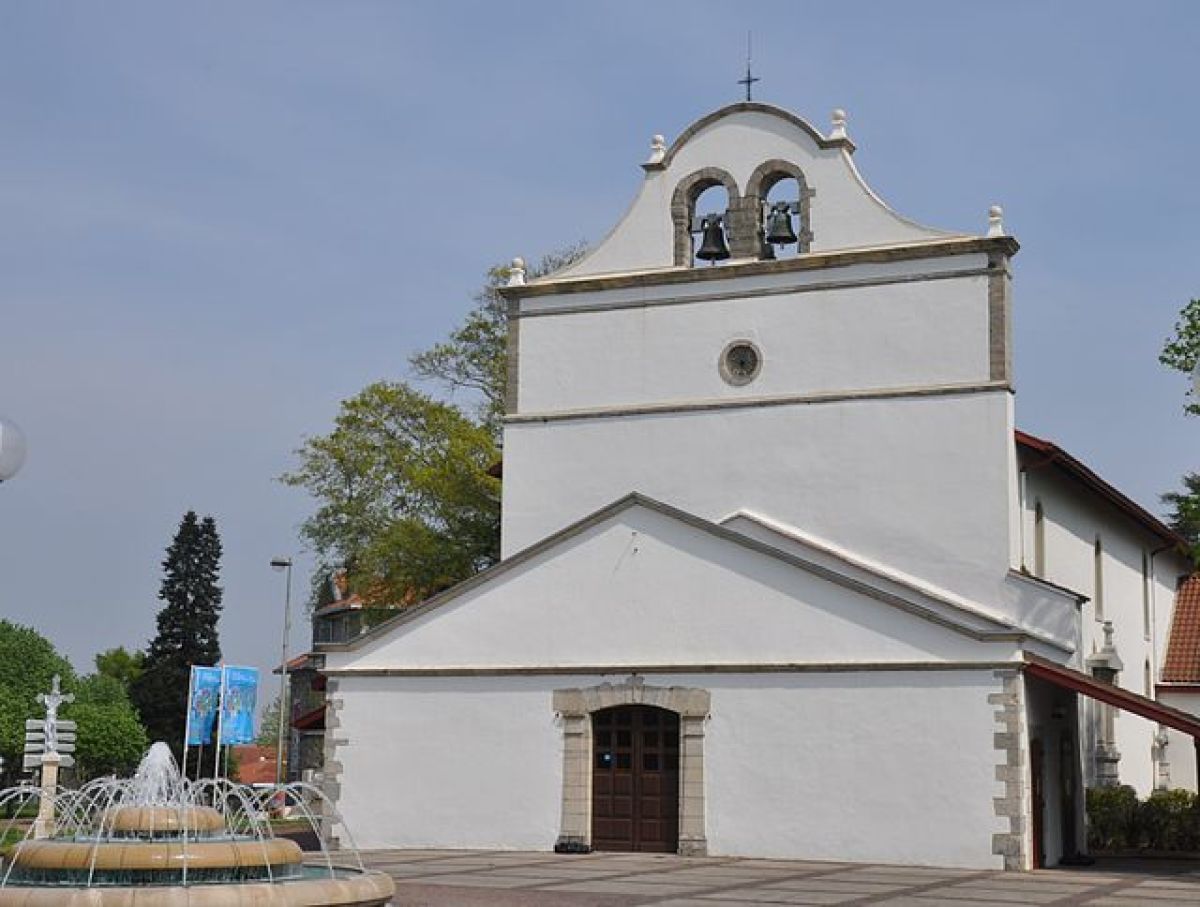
(187, 629)
(1184, 512)
(268, 728)
(1181, 351)
(28, 662)
(110, 738)
(121, 665)
(404, 500)
(473, 359)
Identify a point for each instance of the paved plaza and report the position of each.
(427, 878)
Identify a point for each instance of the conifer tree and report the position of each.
(187, 629)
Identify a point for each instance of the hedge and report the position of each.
(1167, 820)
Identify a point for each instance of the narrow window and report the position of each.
(1146, 681)
(1039, 540)
(1146, 594)
(1098, 581)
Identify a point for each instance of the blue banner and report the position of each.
(202, 710)
(239, 700)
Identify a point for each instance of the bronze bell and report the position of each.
(779, 225)
(712, 243)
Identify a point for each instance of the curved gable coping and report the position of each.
(999, 630)
(933, 248)
(746, 107)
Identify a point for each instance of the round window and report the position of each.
(740, 362)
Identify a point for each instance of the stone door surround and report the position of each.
(575, 707)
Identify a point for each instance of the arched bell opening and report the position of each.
(784, 216)
(702, 210)
(710, 227)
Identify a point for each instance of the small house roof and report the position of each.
(1182, 664)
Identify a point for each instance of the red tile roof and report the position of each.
(256, 764)
(1182, 664)
(349, 603)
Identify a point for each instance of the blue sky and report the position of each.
(220, 219)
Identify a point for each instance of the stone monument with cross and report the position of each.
(52, 701)
(51, 759)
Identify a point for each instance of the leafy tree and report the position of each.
(187, 629)
(405, 499)
(268, 728)
(1184, 514)
(121, 665)
(473, 358)
(28, 662)
(1181, 351)
(110, 738)
(100, 690)
(405, 504)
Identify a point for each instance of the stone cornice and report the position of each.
(707, 405)
(809, 261)
(615, 670)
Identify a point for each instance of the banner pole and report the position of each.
(187, 722)
(220, 722)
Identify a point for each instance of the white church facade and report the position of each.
(779, 577)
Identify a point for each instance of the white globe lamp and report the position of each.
(12, 449)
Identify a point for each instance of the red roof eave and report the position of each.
(1077, 681)
(1055, 455)
(313, 720)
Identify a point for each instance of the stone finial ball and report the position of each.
(658, 141)
(995, 211)
(518, 264)
(839, 115)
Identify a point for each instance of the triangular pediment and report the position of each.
(640, 584)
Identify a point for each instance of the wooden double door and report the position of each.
(635, 779)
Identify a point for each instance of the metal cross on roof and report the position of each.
(749, 79)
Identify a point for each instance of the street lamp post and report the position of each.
(12, 449)
(283, 563)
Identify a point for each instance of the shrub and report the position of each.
(1112, 817)
(1165, 821)
(1169, 820)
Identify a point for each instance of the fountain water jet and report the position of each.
(159, 839)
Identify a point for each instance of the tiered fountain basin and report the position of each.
(170, 849)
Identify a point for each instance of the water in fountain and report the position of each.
(157, 781)
(158, 829)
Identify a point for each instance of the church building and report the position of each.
(780, 577)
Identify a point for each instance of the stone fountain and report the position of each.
(158, 840)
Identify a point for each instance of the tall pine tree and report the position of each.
(187, 629)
